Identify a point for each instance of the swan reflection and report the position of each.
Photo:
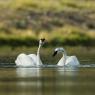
(28, 72)
(67, 70)
(37, 80)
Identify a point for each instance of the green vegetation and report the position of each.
(61, 22)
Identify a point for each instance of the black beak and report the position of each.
(55, 52)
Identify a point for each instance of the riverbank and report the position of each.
(70, 37)
(54, 39)
(61, 22)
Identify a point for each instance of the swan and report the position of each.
(31, 59)
(66, 60)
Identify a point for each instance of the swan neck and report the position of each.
(38, 51)
(38, 56)
(62, 61)
(64, 57)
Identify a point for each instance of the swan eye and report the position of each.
(55, 52)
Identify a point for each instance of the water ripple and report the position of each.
(3, 65)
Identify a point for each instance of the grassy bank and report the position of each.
(64, 36)
(61, 22)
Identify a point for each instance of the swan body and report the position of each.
(66, 60)
(25, 60)
(31, 59)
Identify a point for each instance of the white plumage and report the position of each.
(31, 59)
(66, 60)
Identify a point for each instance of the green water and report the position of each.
(49, 79)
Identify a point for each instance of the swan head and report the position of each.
(42, 41)
(58, 50)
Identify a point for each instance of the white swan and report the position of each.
(31, 59)
(66, 60)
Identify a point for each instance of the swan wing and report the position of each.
(72, 60)
(24, 60)
(34, 57)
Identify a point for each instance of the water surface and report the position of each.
(47, 81)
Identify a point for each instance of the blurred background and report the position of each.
(63, 23)
(67, 23)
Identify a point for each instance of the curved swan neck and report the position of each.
(62, 61)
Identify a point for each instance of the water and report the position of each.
(50, 79)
